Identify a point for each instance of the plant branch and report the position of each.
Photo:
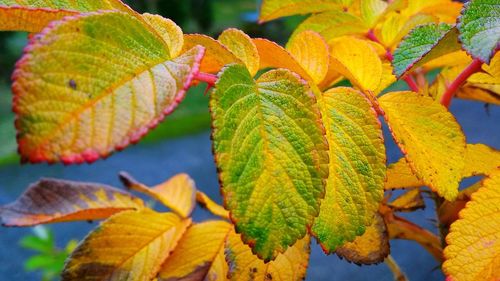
(399, 275)
(474, 66)
(408, 79)
(400, 228)
(208, 78)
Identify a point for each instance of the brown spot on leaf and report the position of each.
(72, 84)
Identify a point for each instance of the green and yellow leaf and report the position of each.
(178, 193)
(129, 246)
(311, 52)
(92, 84)
(242, 46)
(355, 186)
(170, 32)
(271, 154)
(370, 248)
(33, 15)
(214, 208)
(288, 266)
(199, 255)
(423, 44)
(430, 137)
(51, 200)
(473, 251)
(480, 28)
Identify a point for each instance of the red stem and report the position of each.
(448, 95)
(408, 79)
(208, 78)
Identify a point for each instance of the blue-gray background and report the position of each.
(182, 144)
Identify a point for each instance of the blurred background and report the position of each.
(182, 144)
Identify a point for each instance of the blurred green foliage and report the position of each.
(48, 258)
(210, 17)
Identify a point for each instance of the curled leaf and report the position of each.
(216, 54)
(273, 9)
(210, 205)
(51, 200)
(178, 193)
(409, 201)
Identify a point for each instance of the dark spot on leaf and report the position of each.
(269, 276)
(72, 84)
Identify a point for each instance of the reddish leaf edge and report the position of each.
(90, 155)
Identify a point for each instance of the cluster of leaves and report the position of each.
(297, 156)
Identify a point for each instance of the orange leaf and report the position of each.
(130, 246)
(210, 205)
(288, 266)
(216, 54)
(178, 193)
(199, 255)
(51, 200)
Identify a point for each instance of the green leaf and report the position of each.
(479, 28)
(271, 154)
(94, 83)
(355, 186)
(34, 15)
(423, 44)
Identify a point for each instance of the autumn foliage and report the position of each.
(299, 157)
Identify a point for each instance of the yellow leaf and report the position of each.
(33, 16)
(170, 32)
(50, 201)
(473, 251)
(458, 58)
(387, 77)
(333, 24)
(370, 248)
(274, 56)
(210, 205)
(199, 254)
(448, 211)
(216, 54)
(408, 201)
(480, 92)
(242, 46)
(490, 74)
(372, 10)
(479, 160)
(400, 175)
(273, 9)
(178, 193)
(311, 52)
(358, 62)
(289, 266)
(392, 30)
(430, 137)
(129, 246)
